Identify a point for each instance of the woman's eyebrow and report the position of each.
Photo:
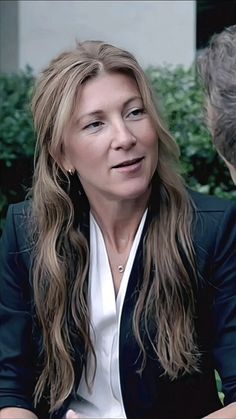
(92, 114)
(132, 99)
(99, 112)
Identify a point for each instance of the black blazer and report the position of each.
(152, 395)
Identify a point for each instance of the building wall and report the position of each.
(157, 32)
(9, 58)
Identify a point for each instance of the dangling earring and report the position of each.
(70, 171)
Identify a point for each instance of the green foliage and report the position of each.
(16, 131)
(181, 100)
(219, 386)
(16, 137)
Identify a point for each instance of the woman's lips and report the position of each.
(128, 163)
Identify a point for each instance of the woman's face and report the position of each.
(111, 141)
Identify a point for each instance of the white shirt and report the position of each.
(105, 398)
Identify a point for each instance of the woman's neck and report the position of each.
(119, 221)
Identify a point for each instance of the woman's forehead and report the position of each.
(105, 88)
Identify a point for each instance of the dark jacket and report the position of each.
(152, 395)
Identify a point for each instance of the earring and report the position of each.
(71, 172)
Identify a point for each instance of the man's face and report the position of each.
(211, 114)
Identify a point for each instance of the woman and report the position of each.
(118, 285)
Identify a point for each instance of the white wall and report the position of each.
(157, 32)
(9, 59)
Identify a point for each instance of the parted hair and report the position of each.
(217, 68)
(61, 252)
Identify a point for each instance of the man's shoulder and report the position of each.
(210, 203)
(214, 228)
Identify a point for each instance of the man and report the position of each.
(217, 67)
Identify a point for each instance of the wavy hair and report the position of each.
(61, 250)
(217, 68)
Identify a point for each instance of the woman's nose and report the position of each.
(123, 137)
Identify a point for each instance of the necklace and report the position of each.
(121, 268)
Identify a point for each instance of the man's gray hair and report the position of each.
(217, 67)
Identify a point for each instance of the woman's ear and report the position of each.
(64, 162)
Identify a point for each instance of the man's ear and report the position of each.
(211, 115)
(233, 174)
(232, 169)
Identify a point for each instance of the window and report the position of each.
(212, 17)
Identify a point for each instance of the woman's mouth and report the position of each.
(127, 163)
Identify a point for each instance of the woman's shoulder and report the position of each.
(16, 226)
(22, 208)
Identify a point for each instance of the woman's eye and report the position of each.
(136, 112)
(93, 125)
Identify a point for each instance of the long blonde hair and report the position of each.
(61, 256)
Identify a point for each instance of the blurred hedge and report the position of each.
(181, 102)
(16, 138)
